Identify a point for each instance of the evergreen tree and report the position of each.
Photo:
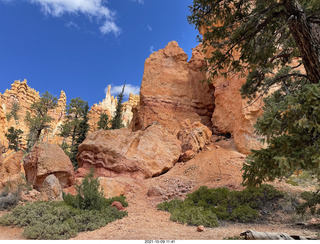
(263, 38)
(104, 122)
(39, 119)
(75, 113)
(117, 119)
(75, 127)
(14, 111)
(14, 138)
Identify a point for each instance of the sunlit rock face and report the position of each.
(20, 93)
(172, 90)
(139, 155)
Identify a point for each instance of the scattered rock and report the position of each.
(141, 154)
(46, 159)
(30, 196)
(118, 205)
(51, 189)
(155, 191)
(200, 228)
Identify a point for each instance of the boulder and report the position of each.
(118, 205)
(141, 154)
(200, 228)
(46, 159)
(193, 138)
(155, 191)
(172, 90)
(51, 189)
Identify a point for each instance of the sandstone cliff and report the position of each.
(172, 91)
(20, 93)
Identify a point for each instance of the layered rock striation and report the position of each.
(172, 90)
(139, 155)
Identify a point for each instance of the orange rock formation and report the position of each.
(25, 96)
(172, 91)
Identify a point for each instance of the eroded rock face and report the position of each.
(233, 115)
(193, 138)
(10, 171)
(140, 154)
(25, 96)
(46, 159)
(172, 91)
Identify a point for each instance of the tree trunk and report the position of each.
(306, 37)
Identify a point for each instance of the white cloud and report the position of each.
(115, 90)
(138, 1)
(95, 9)
(71, 24)
(149, 27)
(151, 49)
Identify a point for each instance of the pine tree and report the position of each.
(75, 128)
(14, 111)
(104, 122)
(264, 38)
(39, 119)
(117, 119)
(75, 113)
(14, 138)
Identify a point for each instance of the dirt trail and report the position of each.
(216, 166)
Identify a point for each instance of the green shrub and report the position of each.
(121, 199)
(89, 196)
(194, 216)
(243, 213)
(312, 200)
(86, 211)
(58, 220)
(205, 206)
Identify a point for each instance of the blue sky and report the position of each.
(81, 46)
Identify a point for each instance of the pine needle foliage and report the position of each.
(39, 119)
(274, 43)
(104, 122)
(14, 138)
(117, 119)
(89, 196)
(75, 128)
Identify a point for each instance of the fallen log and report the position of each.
(255, 235)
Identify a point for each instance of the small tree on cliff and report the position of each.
(117, 119)
(263, 38)
(14, 111)
(104, 122)
(39, 118)
(75, 127)
(14, 138)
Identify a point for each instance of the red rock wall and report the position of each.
(171, 90)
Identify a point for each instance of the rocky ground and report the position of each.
(212, 167)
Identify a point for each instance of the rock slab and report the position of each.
(46, 159)
(139, 155)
